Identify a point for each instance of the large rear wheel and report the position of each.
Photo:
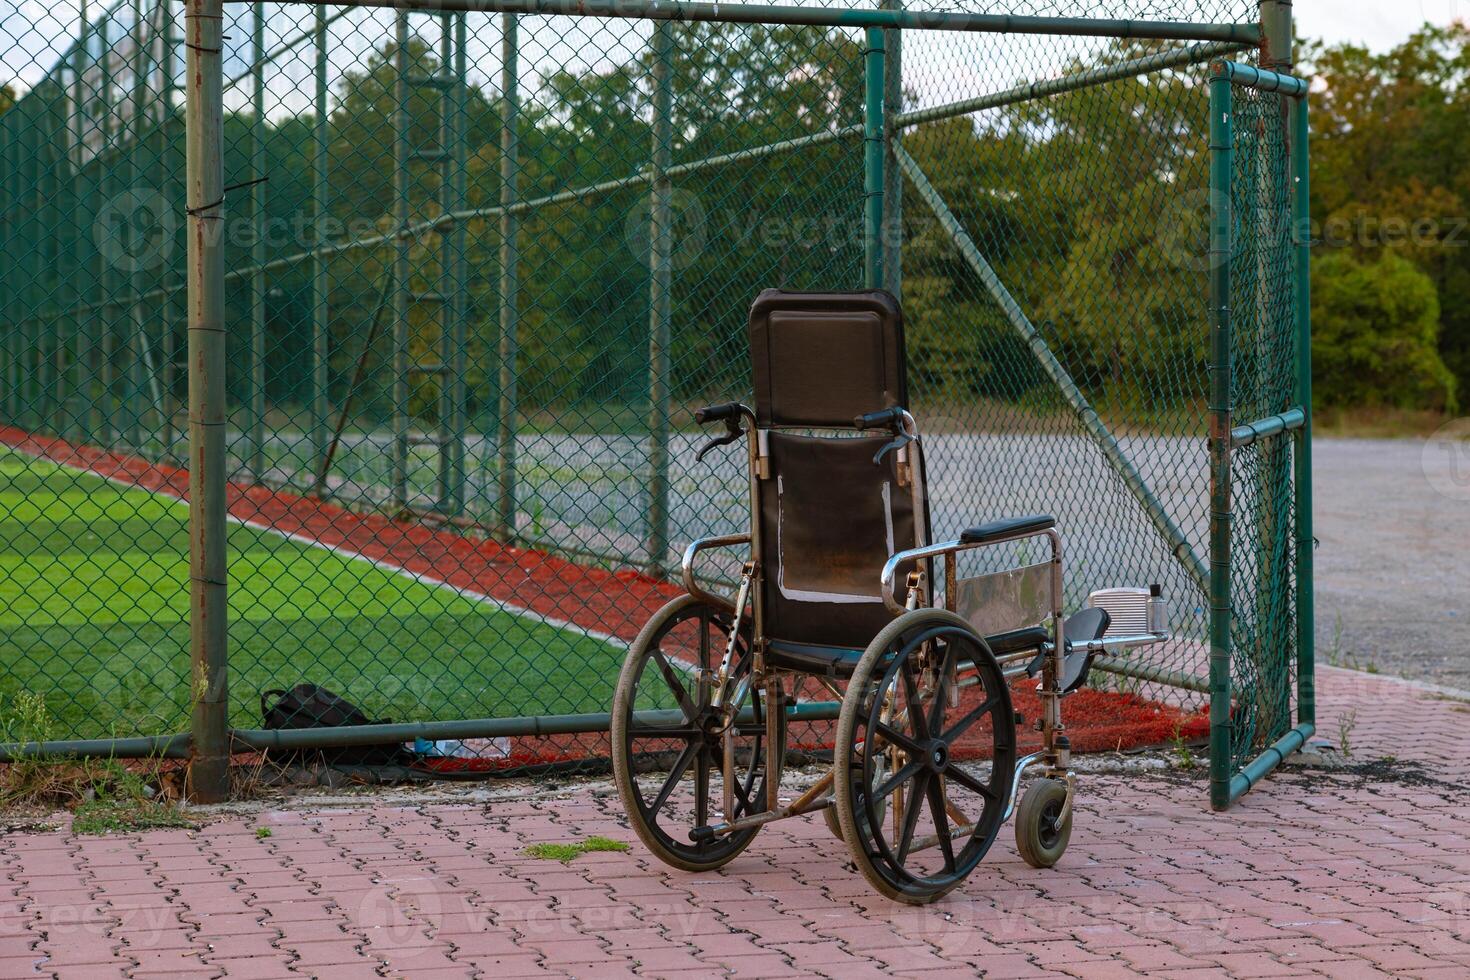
(924, 765)
(667, 738)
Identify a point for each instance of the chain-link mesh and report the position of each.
(1263, 634)
(461, 365)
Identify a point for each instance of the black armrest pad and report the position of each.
(1006, 528)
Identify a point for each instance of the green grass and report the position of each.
(566, 853)
(94, 617)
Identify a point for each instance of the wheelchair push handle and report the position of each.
(888, 418)
(731, 414)
(718, 413)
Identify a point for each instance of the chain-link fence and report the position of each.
(480, 265)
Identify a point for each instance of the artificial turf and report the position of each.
(94, 618)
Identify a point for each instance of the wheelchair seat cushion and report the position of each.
(839, 662)
(813, 658)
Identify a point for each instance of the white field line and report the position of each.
(473, 595)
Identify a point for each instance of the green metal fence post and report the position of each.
(505, 437)
(892, 176)
(453, 268)
(208, 625)
(89, 410)
(107, 277)
(1277, 35)
(660, 299)
(1306, 676)
(321, 211)
(76, 236)
(137, 346)
(257, 246)
(874, 150)
(1221, 220)
(401, 285)
(167, 353)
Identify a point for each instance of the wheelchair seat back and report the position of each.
(822, 359)
(829, 515)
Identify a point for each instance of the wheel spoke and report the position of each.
(946, 669)
(911, 815)
(968, 781)
(970, 717)
(941, 822)
(701, 788)
(672, 679)
(915, 703)
(886, 788)
(900, 739)
(681, 766)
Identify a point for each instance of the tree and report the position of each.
(1389, 171)
(1375, 334)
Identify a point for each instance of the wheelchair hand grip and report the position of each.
(875, 420)
(717, 413)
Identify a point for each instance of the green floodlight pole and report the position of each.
(875, 148)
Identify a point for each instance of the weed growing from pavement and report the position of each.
(566, 853)
(1346, 722)
(102, 794)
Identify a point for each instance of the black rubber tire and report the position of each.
(1038, 837)
(672, 845)
(870, 851)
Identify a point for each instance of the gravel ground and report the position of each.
(1393, 563)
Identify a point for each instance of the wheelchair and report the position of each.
(844, 598)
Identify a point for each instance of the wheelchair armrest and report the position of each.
(995, 530)
(691, 585)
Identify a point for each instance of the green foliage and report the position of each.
(566, 853)
(1390, 174)
(1376, 327)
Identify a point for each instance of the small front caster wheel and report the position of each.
(1040, 836)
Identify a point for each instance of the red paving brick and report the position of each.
(1361, 872)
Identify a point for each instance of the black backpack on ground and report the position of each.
(312, 706)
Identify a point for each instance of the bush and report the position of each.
(1375, 335)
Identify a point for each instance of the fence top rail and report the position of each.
(756, 13)
(1249, 76)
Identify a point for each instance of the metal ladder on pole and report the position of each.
(443, 292)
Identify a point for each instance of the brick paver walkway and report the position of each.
(1358, 872)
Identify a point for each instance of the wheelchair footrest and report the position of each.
(1089, 624)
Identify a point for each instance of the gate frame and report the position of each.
(1227, 786)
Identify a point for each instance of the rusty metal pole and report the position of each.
(204, 129)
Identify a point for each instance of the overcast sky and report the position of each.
(1378, 23)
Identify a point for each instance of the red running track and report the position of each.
(599, 600)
